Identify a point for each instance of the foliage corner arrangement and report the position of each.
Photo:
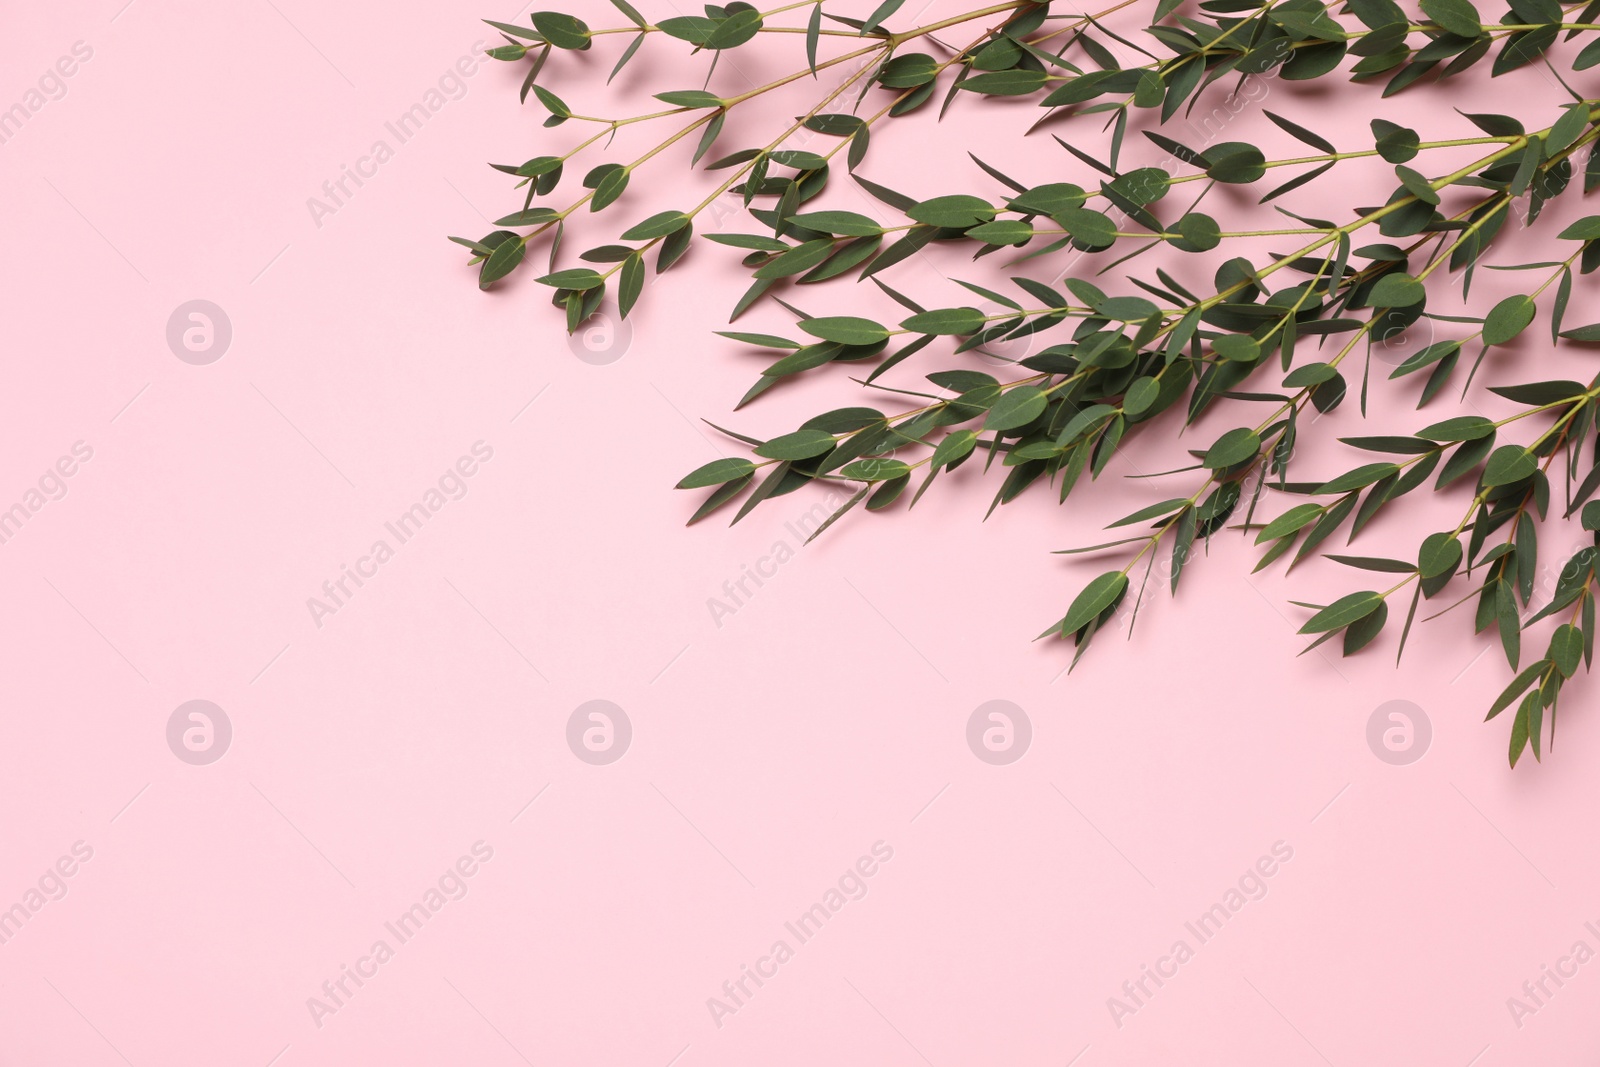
(1272, 338)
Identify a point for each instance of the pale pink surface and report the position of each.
(769, 753)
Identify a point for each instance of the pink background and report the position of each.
(769, 753)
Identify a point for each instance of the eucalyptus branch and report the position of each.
(1139, 345)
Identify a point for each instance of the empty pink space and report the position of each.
(368, 701)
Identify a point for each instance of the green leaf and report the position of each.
(557, 106)
(1310, 374)
(1365, 630)
(1343, 612)
(1509, 625)
(1568, 128)
(1520, 724)
(1540, 393)
(1516, 688)
(1507, 464)
(844, 420)
(608, 182)
(845, 329)
(955, 446)
(630, 13)
(627, 54)
(801, 257)
(1460, 428)
(1466, 456)
(908, 71)
(1395, 143)
(1405, 446)
(1440, 554)
(1141, 396)
(1002, 232)
(1017, 406)
(1427, 357)
(1396, 290)
(1566, 649)
(957, 211)
(578, 278)
(657, 225)
(1049, 199)
(721, 496)
(1091, 227)
(539, 166)
(1197, 232)
(1590, 56)
(1507, 319)
(1235, 162)
(1359, 478)
(502, 261)
(1127, 309)
(1417, 185)
(953, 321)
(881, 12)
(749, 240)
(813, 36)
(1381, 564)
(1291, 521)
(763, 340)
(842, 223)
(1096, 597)
(735, 30)
(1457, 16)
(1233, 447)
(631, 283)
(1017, 82)
(690, 98)
(875, 469)
(526, 33)
(801, 444)
(716, 472)
(563, 31)
(798, 160)
(1496, 125)
(533, 216)
(1585, 229)
(1300, 133)
(1166, 507)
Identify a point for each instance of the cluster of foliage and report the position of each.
(1270, 339)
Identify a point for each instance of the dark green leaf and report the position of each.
(1017, 406)
(1457, 16)
(1233, 447)
(716, 472)
(845, 329)
(801, 444)
(1509, 463)
(1507, 319)
(1343, 612)
(1096, 597)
